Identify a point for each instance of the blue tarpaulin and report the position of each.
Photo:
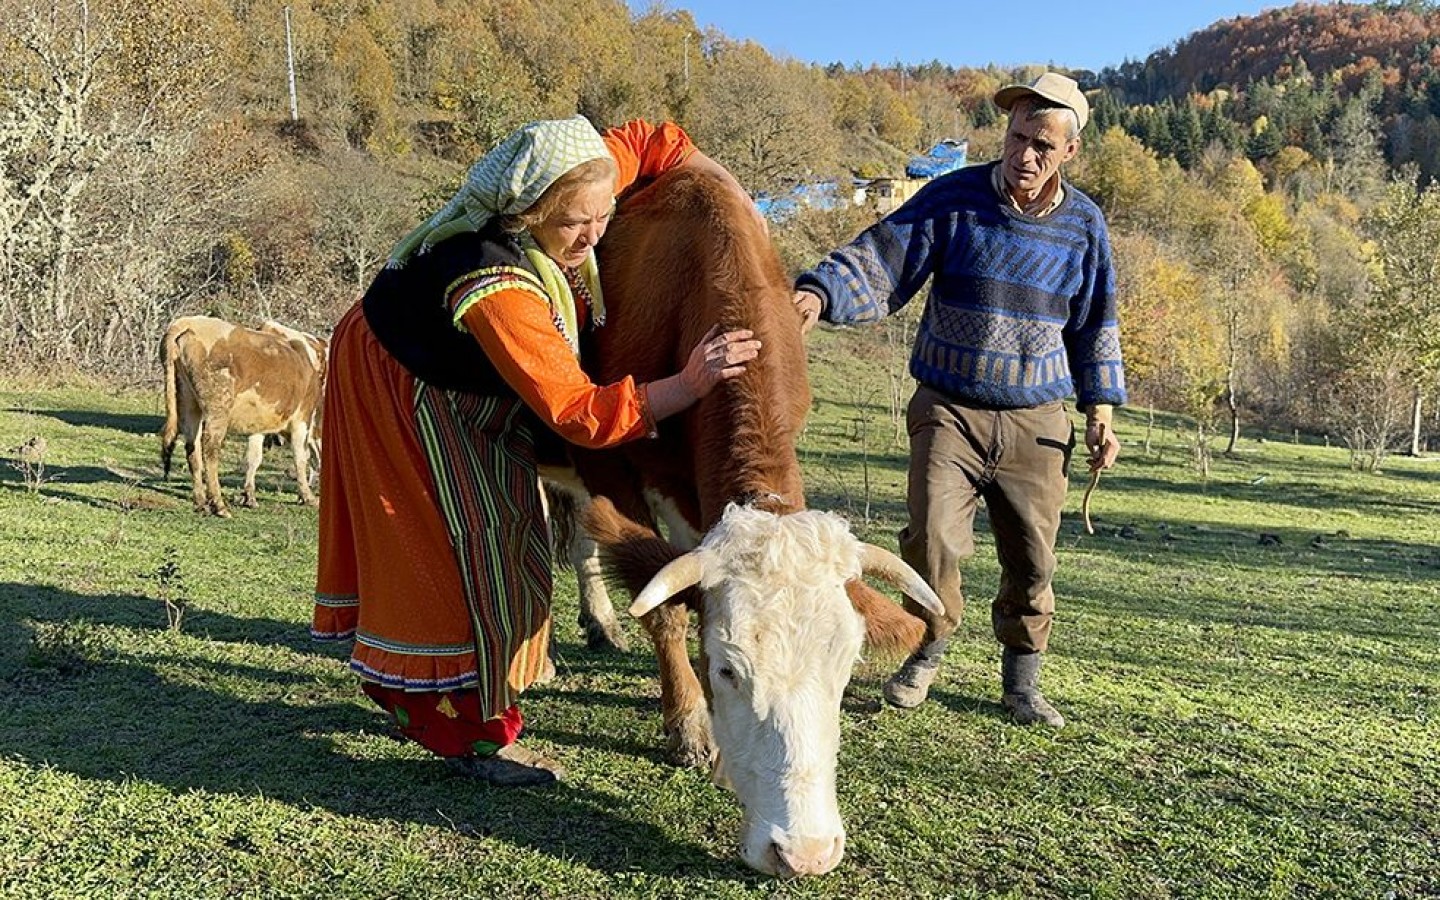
(821, 195)
(946, 156)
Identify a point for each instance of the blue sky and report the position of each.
(1081, 34)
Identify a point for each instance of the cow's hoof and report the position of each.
(691, 745)
(605, 640)
(309, 501)
(249, 503)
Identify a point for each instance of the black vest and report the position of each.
(409, 310)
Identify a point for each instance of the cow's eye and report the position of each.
(726, 673)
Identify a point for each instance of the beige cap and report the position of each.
(1051, 86)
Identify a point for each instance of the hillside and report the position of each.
(1341, 42)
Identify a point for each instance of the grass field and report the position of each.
(1250, 666)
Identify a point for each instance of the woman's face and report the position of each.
(568, 235)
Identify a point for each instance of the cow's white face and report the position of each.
(779, 652)
(780, 638)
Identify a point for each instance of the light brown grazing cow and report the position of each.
(783, 611)
(219, 377)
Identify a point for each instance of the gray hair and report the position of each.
(1033, 108)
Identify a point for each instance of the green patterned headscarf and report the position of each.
(508, 180)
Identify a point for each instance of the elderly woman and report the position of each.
(445, 382)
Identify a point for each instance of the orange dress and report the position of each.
(434, 553)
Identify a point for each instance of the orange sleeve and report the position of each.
(516, 333)
(642, 150)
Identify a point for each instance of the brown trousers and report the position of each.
(1017, 461)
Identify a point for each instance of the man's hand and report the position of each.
(1104, 447)
(807, 304)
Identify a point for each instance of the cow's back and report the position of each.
(685, 253)
(267, 380)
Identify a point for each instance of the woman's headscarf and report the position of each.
(508, 180)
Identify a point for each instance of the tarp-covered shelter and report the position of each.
(946, 156)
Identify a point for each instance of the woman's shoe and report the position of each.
(510, 766)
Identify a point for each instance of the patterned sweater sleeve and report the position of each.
(881, 270)
(1092, 336)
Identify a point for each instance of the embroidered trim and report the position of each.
(337, 601)
(488, 282)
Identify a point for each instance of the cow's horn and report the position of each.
(678, 574)
(885, 565)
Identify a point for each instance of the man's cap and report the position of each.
(1051, 86)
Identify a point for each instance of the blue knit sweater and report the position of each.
(1021, 309)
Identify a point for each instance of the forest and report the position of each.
(1272, 183)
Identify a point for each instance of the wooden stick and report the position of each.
(1094, 480)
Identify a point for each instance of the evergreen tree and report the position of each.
(1157, 135)
(1188, 134)
(1106, 112)
(1265, 142)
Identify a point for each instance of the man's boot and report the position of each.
(1019, 676)
(911, 682)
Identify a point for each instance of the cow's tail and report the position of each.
(630, 553)
(563, 514)
(170, 431)
(889, 629)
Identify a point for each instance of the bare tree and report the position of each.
(784, 133)
(102, 114)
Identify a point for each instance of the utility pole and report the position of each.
(290, 67)
(687, 62)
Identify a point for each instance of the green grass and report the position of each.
(1250, 666)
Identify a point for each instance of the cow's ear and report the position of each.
(889, 629)
(677, 575)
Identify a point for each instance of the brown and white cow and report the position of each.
(783, 609)
(220, 376)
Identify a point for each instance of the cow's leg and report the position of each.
(682, 702)
(597, 613)
(212, 439)
(681, 533)
(565, 501)
(254, 452)
(300, 445)
(622, 523)
(195, 459)
(190, 418)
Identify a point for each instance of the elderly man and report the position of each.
(1021, 315)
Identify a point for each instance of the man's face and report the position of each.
(1035, 149)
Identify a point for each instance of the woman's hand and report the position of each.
(718, 357)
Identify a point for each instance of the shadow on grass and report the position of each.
(149, 493)
(1282, 497)
(59, 475)
(1285, 544)
(72, 701)
(131, 423)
